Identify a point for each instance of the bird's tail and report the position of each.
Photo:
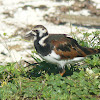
(90, 51)
(94, 51)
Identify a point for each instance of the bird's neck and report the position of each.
(42, 45)
(42, 41)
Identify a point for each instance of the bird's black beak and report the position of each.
(29, 36)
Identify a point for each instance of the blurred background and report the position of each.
(17, 18)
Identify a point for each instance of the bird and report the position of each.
(57, 48)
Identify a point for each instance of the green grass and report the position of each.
(43, 82)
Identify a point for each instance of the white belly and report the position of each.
(55, 59)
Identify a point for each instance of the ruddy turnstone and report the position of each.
(57, 48)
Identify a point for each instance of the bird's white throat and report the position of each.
(41, 41)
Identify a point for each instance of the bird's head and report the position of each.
(38, 32)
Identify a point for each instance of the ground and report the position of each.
(40, 80)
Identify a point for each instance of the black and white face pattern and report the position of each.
(40, 34)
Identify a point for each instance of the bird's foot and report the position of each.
(62, 73)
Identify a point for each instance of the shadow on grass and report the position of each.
(44, 68)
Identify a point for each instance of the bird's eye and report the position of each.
(36, 31)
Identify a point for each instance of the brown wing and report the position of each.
(68, 48)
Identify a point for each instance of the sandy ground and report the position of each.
(17, 18)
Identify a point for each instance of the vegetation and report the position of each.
(42, 80)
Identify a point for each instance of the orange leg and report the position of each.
(62, 73)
